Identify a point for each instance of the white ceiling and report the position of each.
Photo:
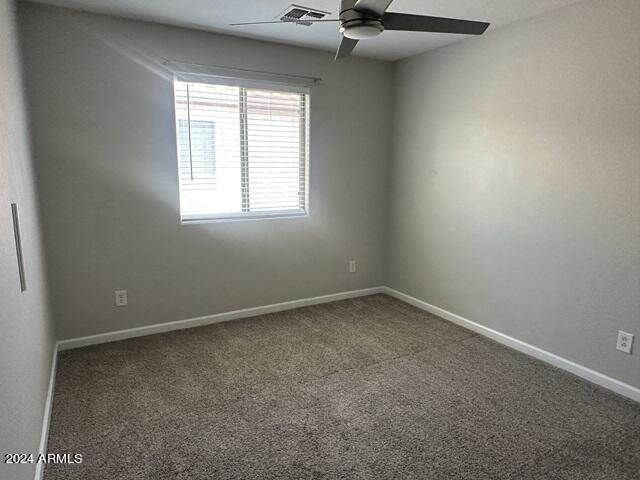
(215, 15)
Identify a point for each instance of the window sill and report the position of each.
(200, 219)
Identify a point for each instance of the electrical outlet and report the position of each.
(353, 267)
(625, 342)
(121, 298)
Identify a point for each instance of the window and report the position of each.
(242, 151)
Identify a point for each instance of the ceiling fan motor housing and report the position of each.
(359, 25)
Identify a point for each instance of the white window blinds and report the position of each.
(242, 151)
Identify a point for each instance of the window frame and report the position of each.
(194, 219)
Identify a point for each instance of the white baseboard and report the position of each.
(46, 417)
(593, 376)
(210, 319)
(548, 357)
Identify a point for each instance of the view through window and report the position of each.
(242, 152)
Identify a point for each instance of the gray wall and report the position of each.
(516, 182)
(102, 117)
(26, 335)
(514, 190)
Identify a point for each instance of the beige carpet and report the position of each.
(369, 388)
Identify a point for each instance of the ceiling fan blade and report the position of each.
(288, 21)
(376, 6)
(345, 48)
(422, 23)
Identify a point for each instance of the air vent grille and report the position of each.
(298, 14)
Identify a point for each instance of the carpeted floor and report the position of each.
(369, 388)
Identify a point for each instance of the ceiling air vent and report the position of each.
(298, 14)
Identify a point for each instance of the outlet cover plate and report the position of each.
(625, 342)
(121, 298)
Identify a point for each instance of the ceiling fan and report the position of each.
(362, 19)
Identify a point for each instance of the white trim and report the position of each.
(210, 319)
(196, 219)
(548, 357)
(210, 79)
(217, 74)
(46, 418)
(581, 371)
